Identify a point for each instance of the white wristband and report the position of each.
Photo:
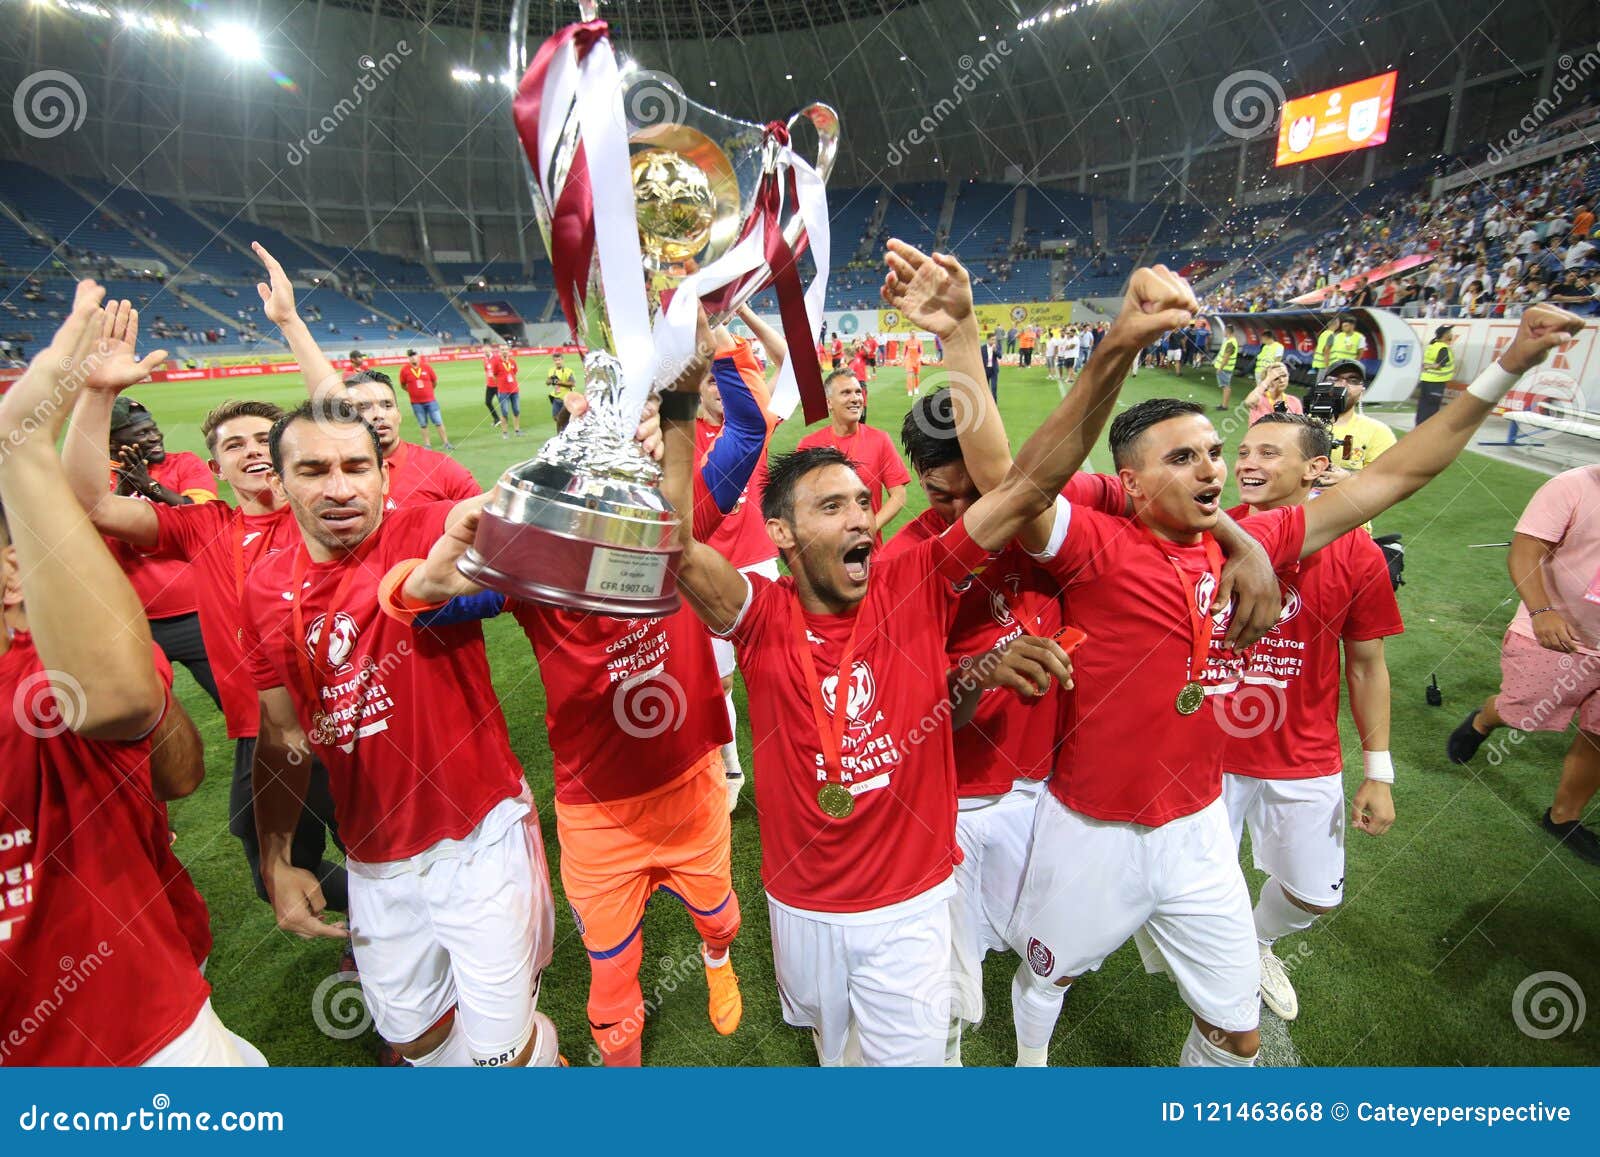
(1380, 766)
(1493, 384)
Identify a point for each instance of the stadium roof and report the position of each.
(636, 19)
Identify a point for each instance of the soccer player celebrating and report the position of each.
(1008, 747)
(420, 381)
(639, 800)
(144, 469)
(221, 544)
(417, 474)
(1137, 835)
(93, 892)
(450, 908)
(1283, 760)
(851, 712)
(876, 461)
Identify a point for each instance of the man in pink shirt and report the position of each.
(1550, 657)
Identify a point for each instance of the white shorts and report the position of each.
(468, 926)
(994, 838)
(727, 663)
(207, 1044)
(1174, 355)
(1296, 831)
(1091, 883)
(887, 984)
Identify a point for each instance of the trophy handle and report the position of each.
(827, 125)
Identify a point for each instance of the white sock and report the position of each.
(1276, 915)
(730, 750)
(716, 961)
(452, 1054)
(1199, 1053)
(1035, 1007)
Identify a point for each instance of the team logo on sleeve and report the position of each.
(863, 690)
(1040, 958)
(339, 646)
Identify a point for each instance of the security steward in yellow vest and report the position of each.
(1438, 371)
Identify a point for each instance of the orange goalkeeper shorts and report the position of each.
(616, 853)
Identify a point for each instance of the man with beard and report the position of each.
(450, 909)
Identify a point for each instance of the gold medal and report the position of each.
(835, 801)
(1190, 698)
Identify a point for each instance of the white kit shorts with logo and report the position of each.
(1091, 884)
(207, 1044)
(1296, 831)
(882, 977)
(467, 924)
(994, 834)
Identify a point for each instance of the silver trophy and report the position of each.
(584, 525)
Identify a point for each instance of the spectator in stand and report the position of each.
(1582, 223)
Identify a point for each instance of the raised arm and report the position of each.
(1367, 676)
(277, 302)
(86, 450)
(1156, 300)
(771, 340)
(87, 624)
(711, 584)
(1421, 455)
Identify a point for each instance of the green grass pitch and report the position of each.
(1445, 916)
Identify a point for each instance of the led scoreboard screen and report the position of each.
(1337, 120)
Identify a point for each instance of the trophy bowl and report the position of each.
(583, 525)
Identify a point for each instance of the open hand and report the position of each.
(277, 292)
(932, 292)
(114, 363)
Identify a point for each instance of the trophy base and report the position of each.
(531, 562)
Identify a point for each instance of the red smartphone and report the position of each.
(1070, 638)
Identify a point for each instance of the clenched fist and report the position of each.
(1543, 328)
(1157, 301)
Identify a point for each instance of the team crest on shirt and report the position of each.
(1000, 601)
(340, 644)
(1291, 603)
(863, 690)
(1204, 591)
(1040, 958)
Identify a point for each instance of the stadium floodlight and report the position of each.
(465, 75)
(237, 40)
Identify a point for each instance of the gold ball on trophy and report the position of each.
(675, 204)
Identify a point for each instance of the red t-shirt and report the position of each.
(900, 839)
(858, 366)
(1127, 754)
(876, 460)
(431, 756)
(418, 476)
(164, 585)
(630, 704)
(419, 383)
(96, 968)
(1009, 737)
(506, 383)
(1283, 723)
(221, 545)
(491, 371)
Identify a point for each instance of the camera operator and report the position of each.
(1357, 439)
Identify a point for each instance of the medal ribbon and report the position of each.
(297, 616)
(1199, 627)
(830, 733)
